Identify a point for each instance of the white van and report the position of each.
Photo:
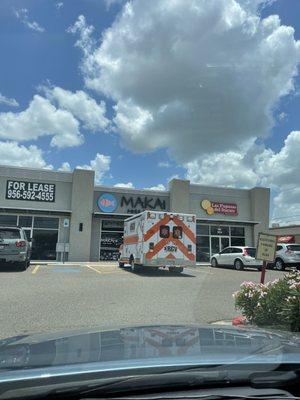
(159, 239)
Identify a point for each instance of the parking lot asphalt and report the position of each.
(55, 297)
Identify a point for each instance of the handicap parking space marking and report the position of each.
(59, 268)
(65, 269)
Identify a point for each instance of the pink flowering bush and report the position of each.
(274, 303)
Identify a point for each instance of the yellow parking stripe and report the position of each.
(94, 269)
(35, 270)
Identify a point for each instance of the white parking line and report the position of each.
(94, 269)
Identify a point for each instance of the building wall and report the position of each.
(287, 231)
(62, 181)
(239, 197)
(81, 206)
(179, 195)
(249, 238)
(78, 200)
(95, 239)
(260, 210)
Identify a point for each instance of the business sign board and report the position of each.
(130, 203)
(213, 207)
(30, 191)
(266, 247)
(107, 202)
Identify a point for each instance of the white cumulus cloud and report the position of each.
(101, 166)
(256, 166)
(160, 186)
(191, 76)
(125, 185)
(65, 167)
(12, 153)
(41, 118)
(22, 15)
(8, 101)
(80, 105)
(164, 164)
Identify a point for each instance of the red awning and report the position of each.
(286, 239)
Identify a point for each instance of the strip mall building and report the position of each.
(64, 212)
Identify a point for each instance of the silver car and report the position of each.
(287, 255)
(237, 257)
(14, 247)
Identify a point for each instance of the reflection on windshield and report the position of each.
(198, 345)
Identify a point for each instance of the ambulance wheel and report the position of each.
(121, 265)
(133, 266)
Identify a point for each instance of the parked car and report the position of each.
(14, 247)
(237, 257)
(287, 255)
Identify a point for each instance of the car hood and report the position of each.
(150, 345)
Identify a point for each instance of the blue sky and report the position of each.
(30, 58)
(36, 50)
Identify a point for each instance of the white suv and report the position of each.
(287, 255)
(237, 257)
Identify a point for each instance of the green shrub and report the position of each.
(276, 303)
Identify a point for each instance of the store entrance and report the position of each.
(44, 244)
(218, 243)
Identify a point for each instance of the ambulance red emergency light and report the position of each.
(155, 239)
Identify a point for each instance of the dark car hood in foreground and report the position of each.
(150, 345)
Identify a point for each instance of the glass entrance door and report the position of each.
(44, 244)
(218, 243)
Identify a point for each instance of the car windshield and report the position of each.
(149, 186)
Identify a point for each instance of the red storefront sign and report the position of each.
(286, 239)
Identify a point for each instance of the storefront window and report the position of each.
(8, 220)
(202, 229)
(237, 231)
(111, 239)
(44, 222)
(219, 230)
(109, 255)
(202, 249)
(237, 241)
(112, 225)
(25, 221)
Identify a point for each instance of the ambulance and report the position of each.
(155, 239)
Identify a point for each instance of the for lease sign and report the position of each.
(266, 247)
(30, 191)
